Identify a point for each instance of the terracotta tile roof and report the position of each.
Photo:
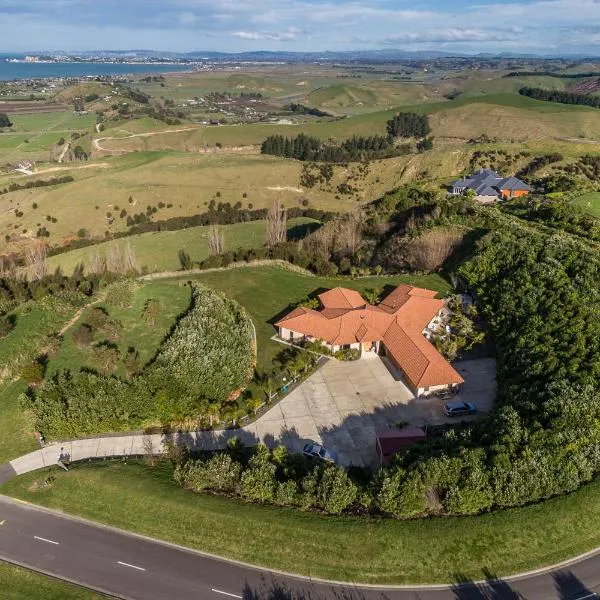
(420, 361)
(341, 298)
(398, 321)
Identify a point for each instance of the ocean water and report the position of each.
(10, 70)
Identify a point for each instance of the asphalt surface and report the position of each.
(130, 567)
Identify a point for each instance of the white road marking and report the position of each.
(130, 566)
(587, 596)
(41, 539)
(224, 593)
(3, 521)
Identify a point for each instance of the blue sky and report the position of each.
(537, 26)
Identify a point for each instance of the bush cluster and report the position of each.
(273, 477)
(208, 357)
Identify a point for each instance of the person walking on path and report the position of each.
(62, 459)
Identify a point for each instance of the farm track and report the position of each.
(29, 108)
(97, 143)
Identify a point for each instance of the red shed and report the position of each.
(389, 441)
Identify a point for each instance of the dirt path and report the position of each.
(99, 148)
(65, 150)
(78, 314)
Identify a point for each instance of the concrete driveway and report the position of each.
(344, 403)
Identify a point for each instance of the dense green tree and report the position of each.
(407, 124)
(4, 120)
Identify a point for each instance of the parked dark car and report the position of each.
(459, 409)
(317, 451)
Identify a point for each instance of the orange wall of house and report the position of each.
(515, 194)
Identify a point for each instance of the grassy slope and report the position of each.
(590, 202)
(158, 251)
(137, 497)
(32, 135)
(35, 322)
(18, 584)
(16, 427)
(514, 107)
(267, 292)
(187, 181)
(143, 337)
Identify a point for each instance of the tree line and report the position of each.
(301, 109)
(561, 97)
(550, 74)
(357, 148)
(308, 148)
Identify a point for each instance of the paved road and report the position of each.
(135, 568)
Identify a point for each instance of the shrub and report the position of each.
(82, 336)
(105, 356)
(6, 325)
(286, 493)
(97, 318)
(219, 473)
(120, 294)
(33, 373)
(210, 352)
(151, 311)
(258, 480)
(131, 362)
(348, 354)
(335, 491)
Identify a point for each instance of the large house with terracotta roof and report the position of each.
(397, 327)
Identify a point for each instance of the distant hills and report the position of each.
(346, 55)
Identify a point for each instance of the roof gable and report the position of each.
(340, 297)
(398, 321)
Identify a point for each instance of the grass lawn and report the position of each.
(16, 427)
(590, 202)
(267, 292)
(145, 338)
(144, 499)
(17, 584)
(158, 251)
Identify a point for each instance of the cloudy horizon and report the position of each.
(459, 26)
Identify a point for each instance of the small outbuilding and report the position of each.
(390, 441)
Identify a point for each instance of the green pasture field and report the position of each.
(159, 250)
(52, 121)
(590, 202)
(137, 333)
(137, 496)
(268, 292)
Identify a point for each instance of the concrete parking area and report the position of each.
(344, 403)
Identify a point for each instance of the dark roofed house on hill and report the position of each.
(490, 186)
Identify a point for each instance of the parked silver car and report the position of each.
(313, 450)
(459, 409)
